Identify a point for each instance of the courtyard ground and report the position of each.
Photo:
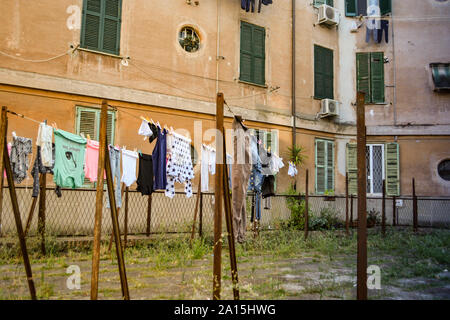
(275, 265)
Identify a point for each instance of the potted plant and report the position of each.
(329, 195)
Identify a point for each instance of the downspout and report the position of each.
(217, 48)
(395, 68)
(294, 124)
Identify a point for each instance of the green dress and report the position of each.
(69, 159)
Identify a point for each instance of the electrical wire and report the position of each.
(37, 61)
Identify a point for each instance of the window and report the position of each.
(382, 162)
(359, 7)
(88, 123)
(318, 3)
(323, 73)
(101, 25)
(444, 169)
(324, 166)
(252, 54)
(189, 39)
(440, 73)
(370, 76)
(375, 168)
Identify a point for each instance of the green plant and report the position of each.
(297, 208)
(296, 154)
(373, 217)
(329, 192)
(326, 220)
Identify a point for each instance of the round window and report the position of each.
(189, 39)
(444, 169)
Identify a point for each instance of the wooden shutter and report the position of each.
(111, 26)
(320, 166)
(385, 7)
(330, 166)
(246, 52)
(392, 169)
(101, 25)
(259, 38)
(363, 74)
(352, 168)
(87, 122)
(110, 127)
(377, 77)
(323, 73)
(350, 8)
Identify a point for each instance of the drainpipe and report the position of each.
(294, 125)
(395, 67)
(217, 48)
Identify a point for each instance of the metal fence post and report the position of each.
(306, 204)
(394, 210)
(383, 210)
(415, 215)
(346, 205)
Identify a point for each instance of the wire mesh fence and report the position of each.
(73, 213)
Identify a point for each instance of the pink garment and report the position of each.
(91, 160)
(9, 153)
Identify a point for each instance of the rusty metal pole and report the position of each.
(125, 231)
(394, 210)
(197, 201)
(41, 215)
(99, 204)
(15, 205)
(218, 201)
(362, 214)
(149, 214)
(415, 217)
(351, 209)
(306, 204)
(200, 218)
(122, 190)
(383, 210)
(346, 205)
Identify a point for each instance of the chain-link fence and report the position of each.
(73, 213)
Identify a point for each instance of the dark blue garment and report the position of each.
(247, 5)
(264, 2)
(385, 28)
(159, 161)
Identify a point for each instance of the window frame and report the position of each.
(102, 17)
(97, 112)
(383, 167)
(325, 166)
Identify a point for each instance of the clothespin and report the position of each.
(14, 134)
(54, 126)
(135, 150)
(171, 129)
(268, 149)
(82, 135)
(152, 121)
(88, 136)
(159, 126)
(142, 118)
(147, 119)
(124, 148)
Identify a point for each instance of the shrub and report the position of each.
(326, 220)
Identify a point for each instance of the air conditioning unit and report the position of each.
(329, 108)
(328, 15)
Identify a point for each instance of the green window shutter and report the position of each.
(363, 74)
(392, 169)
(101, 24)
(350, 8)
(259, 39)
(377, 77)
(323, 73)
(318, 3)
(87, 122)
(110, 127)
(330, 166)
(252, 53)
(385, 7)
(352, 168)
(320, 166)
(246, 57)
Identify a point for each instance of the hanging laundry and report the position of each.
(179, 164)
(159, 161)
(145, 176)
(129, 167)
(267, 203)
(154, 129)
(20, 149)
(383, 28)
(39, 167)
(276, 163)
(292, 169)
(268, 187)
(204, 169)
(69, 159)
(240, 177)
(248, 5)
(114, 159)
(91, 160)
(144, 130)
(44, 141)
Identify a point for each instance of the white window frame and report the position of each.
(383, 170)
